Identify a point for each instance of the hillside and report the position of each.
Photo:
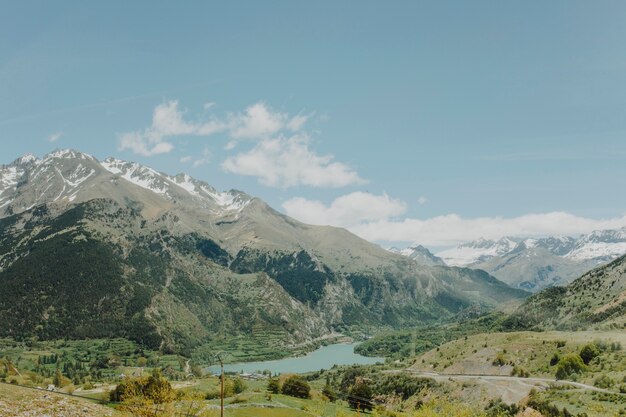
(113, 248)
(596, 298)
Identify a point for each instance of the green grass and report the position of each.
(531, 351)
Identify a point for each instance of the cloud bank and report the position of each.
(375, 218)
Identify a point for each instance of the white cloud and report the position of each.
(167, 121)
(54, 137)
(375, 218)
(206, 156)
(421, 200)
(452, 229)
(261, 122)
(348, 210)
(288, 162)
(197, 162)
(257, 122)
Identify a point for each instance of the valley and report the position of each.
(115, 275)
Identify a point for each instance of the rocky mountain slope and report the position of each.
(535, 264)
(598, 298)
(420, 255)
(114, 248)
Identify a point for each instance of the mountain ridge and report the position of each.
(533, 264)
(195, 262)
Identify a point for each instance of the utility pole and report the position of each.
(220, 357)
(222, 390)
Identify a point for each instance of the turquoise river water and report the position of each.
(323, 358)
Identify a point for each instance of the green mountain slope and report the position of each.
(99, 249)
(596, 298)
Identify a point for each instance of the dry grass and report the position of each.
(24, 402)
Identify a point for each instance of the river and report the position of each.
(323, 358)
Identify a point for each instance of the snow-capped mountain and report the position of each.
(479, 250)
(171, 260)
(419, 254)
(603, 246)
(66, 176)
(537, 263)
(600, 246)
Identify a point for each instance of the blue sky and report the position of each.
(419, 121)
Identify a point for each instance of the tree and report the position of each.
(569, 365)
(295, 386)
(273, 385)
(328, 391)
(239, 385)
(59, 380)
(360, 396)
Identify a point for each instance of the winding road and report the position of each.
(510, 388)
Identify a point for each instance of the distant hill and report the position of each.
(110, 248)
(598, 298)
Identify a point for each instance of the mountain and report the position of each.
(110, 248)
(596, 298)
(535, 264)
(420, 255)
(467, 254)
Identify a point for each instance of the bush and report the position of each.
(589, 352)
(155, 388)
(555, 359)
(603, 381)
(499, 360)
(360, 396)
(238, 385)
(329, 393)
(497, 408)
(569, 365)
(273, 385)
(296, 386)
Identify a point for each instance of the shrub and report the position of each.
(569, 365)
(238, 385)
(589, 352)
(499, 360)
(555, 359)
(155, 388)
(296, 386)
(273, 385)
(603, 381)
(329, 393)
(360, 396)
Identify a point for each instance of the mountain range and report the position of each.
(531, 264)
(112, 248)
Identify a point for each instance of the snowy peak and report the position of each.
(419, 254)
(601, 245)
(67, 154)
(477, 251)
(137, 174)
(66, 175)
